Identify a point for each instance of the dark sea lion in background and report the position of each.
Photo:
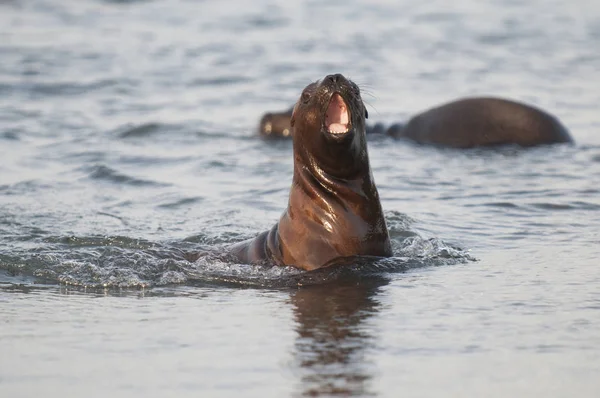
(477, 122)
(276, 124)
(333, 210)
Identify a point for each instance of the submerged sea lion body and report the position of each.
(334, 210)
(476, 122)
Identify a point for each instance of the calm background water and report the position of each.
(126, 140)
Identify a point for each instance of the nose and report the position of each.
(337, 78)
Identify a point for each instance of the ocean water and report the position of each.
(127, 141)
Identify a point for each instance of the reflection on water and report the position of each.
(333, 337)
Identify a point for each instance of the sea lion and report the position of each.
(333, 211)
(482, 121)
(276, 124)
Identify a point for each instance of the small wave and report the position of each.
(578, 205)
(431, 249)
(89, 156)
(99, 241)
(219, 81)
(436, 16)
(399, 225)
(219, 237)
(266, 21)
(101, 172)
(10, 135)
(27, 186)
(148, 129)
(187, 132)
(68, 88)
(100, 263)
(217, 268)
(181, 202)
(122, 262)
(504, 205)
(125, 2)
(142, 130)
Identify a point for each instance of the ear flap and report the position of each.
(293, 118)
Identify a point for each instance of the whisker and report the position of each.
(369, 94)
(371, 106)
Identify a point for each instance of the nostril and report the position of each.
(334, 78)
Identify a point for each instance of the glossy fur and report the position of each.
(334, 210)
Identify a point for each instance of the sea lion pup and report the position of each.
(480, 121)
(333, 210)
(276, 124)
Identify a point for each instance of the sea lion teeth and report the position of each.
(331, 131)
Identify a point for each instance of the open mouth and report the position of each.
(337, 117)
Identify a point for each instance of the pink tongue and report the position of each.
(336, 118)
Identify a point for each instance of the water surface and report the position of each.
(127, 140)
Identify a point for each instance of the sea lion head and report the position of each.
(276, 125)
(328, 124)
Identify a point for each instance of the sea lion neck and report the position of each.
(346, 161)
(356, 180)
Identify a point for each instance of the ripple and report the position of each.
(142, 130)
(218, 237)
(567, 206)
(95, 241)
(149, 129)
(399, 225)
(431, 249)
(25, 187)
(181, 203)
(100, 262)
(66, 88)
(10, 135)
(503, 205)
(264, 21)
(122, 219)
(220, 81)
(14, 231)
(125, 2)
(105, 173)
(92, 156)
(436, 16)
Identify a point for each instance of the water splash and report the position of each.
(122, 262)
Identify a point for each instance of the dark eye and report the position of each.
(366, 113)
(305, 97)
